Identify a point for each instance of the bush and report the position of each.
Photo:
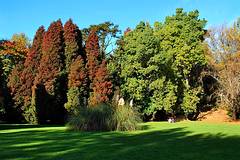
(75, 100)
(104, 117)
(125, 118)
(96, 118)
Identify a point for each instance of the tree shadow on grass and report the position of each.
(22, 126)
(171, 144)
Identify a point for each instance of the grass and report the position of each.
(183, 140)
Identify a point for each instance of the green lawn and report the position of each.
(179, 141)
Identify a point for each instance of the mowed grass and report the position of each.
(179, 141)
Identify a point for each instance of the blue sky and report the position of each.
(27, 15)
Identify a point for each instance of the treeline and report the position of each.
(173, 68)
(58, 74)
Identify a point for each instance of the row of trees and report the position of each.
(57, 72)
(172, 68)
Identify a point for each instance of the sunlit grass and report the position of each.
(184, 140)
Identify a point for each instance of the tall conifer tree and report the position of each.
(28, 75)
(77, 85)
(73, 42)
(102, 86)
(93, 54)
(50, 80)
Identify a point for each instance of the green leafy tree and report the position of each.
(132, 62)
(180, 39)
(163, 96)
(75, 66)
(13, 52)
(161, 66)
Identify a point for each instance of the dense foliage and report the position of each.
(174, 67)
(50, 75)
(55, 76)
(28, 75)
(77, 86)
(160, 66)
(102, 86)
(73, 42)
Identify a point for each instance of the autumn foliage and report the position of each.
(59, 74)
(50, 78)
(29, 73)
(13, 48)
(93, 54)
(102, 86)
(73, 42)
(99, 84)
(77, 85)
(52, 61)
(77, 76)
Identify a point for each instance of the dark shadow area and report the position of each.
(50, 108)
(22, 126)
(143, 127)
(169, 144)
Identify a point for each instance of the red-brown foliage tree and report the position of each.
(14, 84)
(51, 79)
(73, 42)
(52, 61)
(28, 75)
(12, 55)
(102, 86)
(77, 76)
(77, 85)
(93, 54)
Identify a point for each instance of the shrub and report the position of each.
(105, 117)
(74, 99)
(125, 118)
(96, 118)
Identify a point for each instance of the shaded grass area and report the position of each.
(184, 140)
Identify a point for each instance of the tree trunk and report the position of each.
(234, 114)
